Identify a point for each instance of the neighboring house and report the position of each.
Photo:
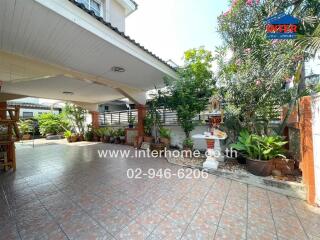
(112, 11)
(116, 105)
(31, 107)
(312, 71)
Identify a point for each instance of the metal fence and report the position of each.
(168, 117)
(121, 118)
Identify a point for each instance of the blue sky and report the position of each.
(169, 27)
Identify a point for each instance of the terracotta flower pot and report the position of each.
(26, 137)
(96, 138)
(106, 139)
(117, 140)
(74, 138)
(148, 139)
(241, 158)
(165, 141)
(157, 146)
(80, 138)
(260, 168)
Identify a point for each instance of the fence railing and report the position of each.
(121, 118)
(168, 117)
(117, 118)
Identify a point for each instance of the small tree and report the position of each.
(190, 93)
(76, 116)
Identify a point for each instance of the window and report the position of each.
(27, 114)
(93, 5)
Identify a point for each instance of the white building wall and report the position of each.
(117, 15)
(36, 112)
(178, 136)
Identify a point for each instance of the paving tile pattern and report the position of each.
(67, 192)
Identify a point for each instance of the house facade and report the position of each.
(112, 11)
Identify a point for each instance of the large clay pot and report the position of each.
(80, 138)
(26, 137)
(165, 141)
(241, 158)
(157, 147)
(74, 138)
(148, 139)
(260, 168)
(106, 139)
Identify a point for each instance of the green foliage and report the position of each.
(153, 120)
(88, 136)
(67, 134)
(253, 70)
(103, 132)
(50, 123)
(25, 126)
(76, 116)
(148, 123)
(189, 94)
(260, 147)
(113, 132)
(132, 120)
(165, 132)
(188, 143)
(121, 132)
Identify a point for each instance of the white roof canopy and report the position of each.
(51, 47)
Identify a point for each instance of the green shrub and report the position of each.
(165, 132)
(25, 126)
(67, 134)
(50, 123)
(188, 143)
(121, 132)
(260, 147)
(88, 136)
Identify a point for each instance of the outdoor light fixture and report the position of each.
(118, 69)
(67, 93)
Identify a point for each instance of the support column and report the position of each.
(306, 146)
(95, 119)
(142, 111)
(3, 105)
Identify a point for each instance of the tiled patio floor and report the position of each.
(67, 192)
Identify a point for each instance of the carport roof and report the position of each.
(115, 29)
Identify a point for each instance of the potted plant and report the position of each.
(187, 147)
(165, 135)
(80, 137)
(67, 135)
(131, 121)
(148, 124)
(116, 136)
(26, 127)
(188, 144)
(260, 151)
(74, 137)
(122, 135)
(112, 135)
(99, 134)
(104, 135)
(88, 136)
